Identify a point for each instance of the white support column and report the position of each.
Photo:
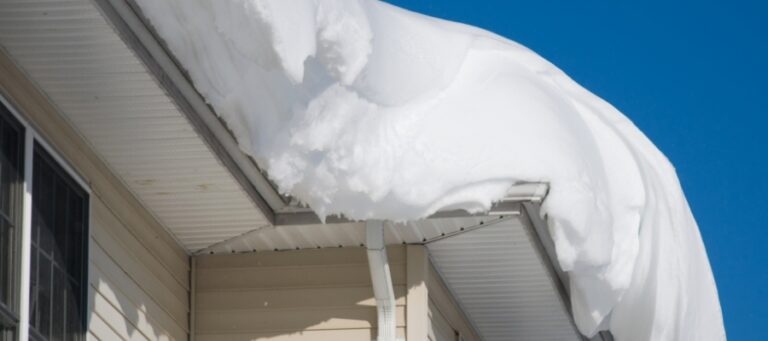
(381, 279)
(417, 297)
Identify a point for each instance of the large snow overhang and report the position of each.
(111, 78)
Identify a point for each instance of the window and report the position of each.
(11, 178)
(57, 284)
(55, 226)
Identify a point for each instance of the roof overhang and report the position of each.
(500, 265)
(133, 106)
(107, 71)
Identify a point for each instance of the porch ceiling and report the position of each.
(76, 57)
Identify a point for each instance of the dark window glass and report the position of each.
(59, 211)
(11, 182)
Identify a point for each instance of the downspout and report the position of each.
(381, 279)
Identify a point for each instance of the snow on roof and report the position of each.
(364, 109)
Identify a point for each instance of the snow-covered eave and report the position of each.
(522, 200)
(573, 215)
(126, 17)
(511, 204)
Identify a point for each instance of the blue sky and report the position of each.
(692, 75)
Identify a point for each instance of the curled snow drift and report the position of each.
(367, 110)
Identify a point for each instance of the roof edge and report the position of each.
(509, 205)
(545, 245)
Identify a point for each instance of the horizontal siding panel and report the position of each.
(302, 295)
(439, 327)
(136, 315)
(98, 329)
(154, 238)
(287, 320)
(115, 319)
(287, 298)
(341, 275)
(130, 261)
(313, 335)
(443, 305)
(150, 285)
(164, 266)
(125, 293)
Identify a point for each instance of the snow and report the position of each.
(367, 110)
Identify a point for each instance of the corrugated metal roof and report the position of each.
(75, 56)
(502, 283)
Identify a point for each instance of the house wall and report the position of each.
(446, 319)
(316, 295)
(439, 327)
(138, 274)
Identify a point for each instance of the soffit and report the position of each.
(502, 282)
(77, 59)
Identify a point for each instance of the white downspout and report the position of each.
(381, 279)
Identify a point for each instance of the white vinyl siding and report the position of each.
(138, 274)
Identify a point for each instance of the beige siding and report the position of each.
(320, 294)
(439, 327)
(446, 319)
(138, 275)
(303, 295)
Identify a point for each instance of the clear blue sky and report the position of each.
(692, 75)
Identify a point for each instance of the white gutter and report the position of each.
(381, 279)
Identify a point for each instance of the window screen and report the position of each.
(58, 260)
(11, 182)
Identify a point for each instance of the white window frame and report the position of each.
(31, 137)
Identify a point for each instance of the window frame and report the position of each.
(32, 138)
